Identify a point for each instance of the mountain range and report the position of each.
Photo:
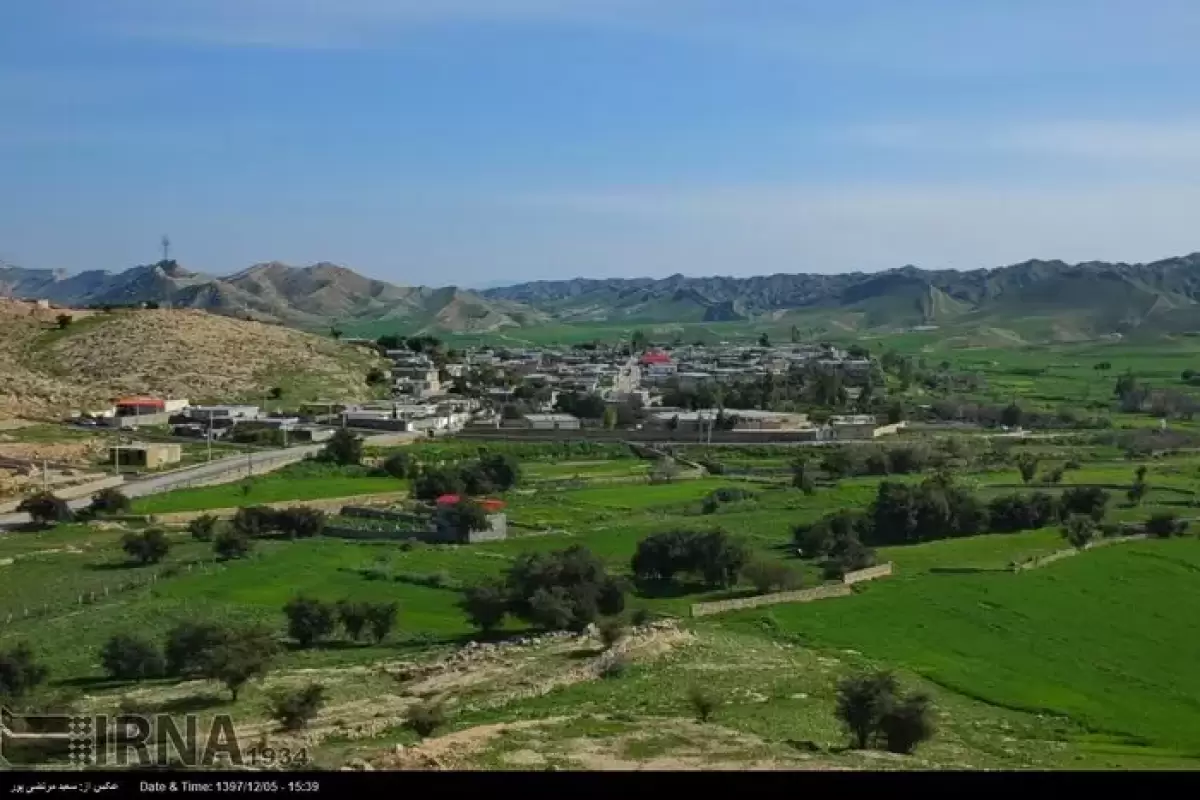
(1044, 300)
(305, 297)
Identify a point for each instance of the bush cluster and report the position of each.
(563, 590)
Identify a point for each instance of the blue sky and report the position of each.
(478, 141)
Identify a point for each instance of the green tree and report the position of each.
(46, 509)
(293, 710)
(64, 321)
(20, 672)
(231, 544)
(767, 575)
(907, 723)
(254, 521)
(309, 619)
(1079, 530)
(243, 655)
(203, 528)
(148, 547)
(344, 448)
(128, 657)
(400, 465)
(638, 341)
(381, 618)
(764, 340)
(1027, 465)
(187, 645)
(610, 418)
(802, 477)
(301, 522)
(862, 702)
(353, 616)
(109, 501)
(485, 605)
(703, 702)
(1166, 525)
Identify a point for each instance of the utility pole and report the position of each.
(210, 431)
(45, 475)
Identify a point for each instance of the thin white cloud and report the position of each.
(1174, 142)
(334, 23)
(1017, 36)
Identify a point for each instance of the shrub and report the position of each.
(486, 605)
(203, 528)
(300, 522)
(309, 620)
(127, 657)
(611, 631)
(109, 501)
(20, 673)
(768, 575)
(231, 544)
(702, 702)
(862, 701)
(714, 556)
(615, 667)
(1079, 530)
(254, 521)
(148, 547)
(1027, 465)
(46, 509)
(353, 617)
(343, 448)
(1089, 500)
(400, 465)
(425, 718)
(186, 645)
(641, 616)
(242, 655)
(565, 589)
(907, 724)
(381, 618)
(1166, 525)
(295, 709)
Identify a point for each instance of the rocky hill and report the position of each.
(171, 353)
(307, 297)
(1094, 297)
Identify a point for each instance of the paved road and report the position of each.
(262, 461)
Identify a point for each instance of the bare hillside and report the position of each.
(175, 353)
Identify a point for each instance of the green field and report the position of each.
(1105, 639)
(299, 482)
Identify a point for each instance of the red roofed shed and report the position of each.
(491, 506)
(655, 358)
(130, 406)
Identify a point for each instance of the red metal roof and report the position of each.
(140, 401)
(452, 499)
(656, 358)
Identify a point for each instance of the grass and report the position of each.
(1107, 639)
(1084, 663)
(299, 482)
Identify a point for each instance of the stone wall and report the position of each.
(332, 505)
(798, 596)
(868, 574)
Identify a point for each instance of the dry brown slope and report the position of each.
(172, 353)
